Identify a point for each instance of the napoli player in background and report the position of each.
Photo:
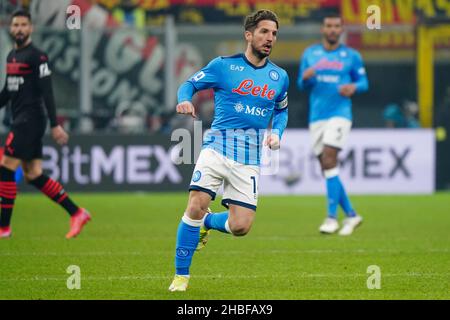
(28, 86)
(333, 73)
(249, 91)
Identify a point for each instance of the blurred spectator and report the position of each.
(130, 117)
(442, 123)
(130, 14)
(405, 117)
(442, 119)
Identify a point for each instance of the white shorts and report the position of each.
(240, 181)
(332, 132)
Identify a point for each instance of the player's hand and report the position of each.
(273, 141)
(347, 90)
(309, 73)
(186, 107)
(59, 135)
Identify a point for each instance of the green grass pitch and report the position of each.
(127, 251)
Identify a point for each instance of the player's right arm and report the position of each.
(206, 78)
(306, 74)
(4, 96)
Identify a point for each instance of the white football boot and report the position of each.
(349, 224)
(329, 226)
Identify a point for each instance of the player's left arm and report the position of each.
(358, 77)
(280, 118)
(46, 87)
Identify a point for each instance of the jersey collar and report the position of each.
(23, 48)
(335, 50)
(251, 64)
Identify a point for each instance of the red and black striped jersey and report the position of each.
(28, 85)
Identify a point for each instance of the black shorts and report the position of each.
(24, 141)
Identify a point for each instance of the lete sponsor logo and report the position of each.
(247, 87)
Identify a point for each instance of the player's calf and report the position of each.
(240, 220)
(8, 193)
(55, 191)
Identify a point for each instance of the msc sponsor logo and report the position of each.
(239, 107)
(254, 111)
(328, 78)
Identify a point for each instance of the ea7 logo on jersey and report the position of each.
(44, 71)
(199, 76)
(234, 67)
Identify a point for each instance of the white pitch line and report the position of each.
(219, 276)
(227, 252)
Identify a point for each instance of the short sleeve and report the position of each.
(209, 76)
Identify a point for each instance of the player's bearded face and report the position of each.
(332, 30)
(21, 30)
(263, 38)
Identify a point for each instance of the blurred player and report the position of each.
(28, 86)
(333, 73)
(249, 90)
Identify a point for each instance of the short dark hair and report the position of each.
(251, 21)
(21, 13)
(331, 15)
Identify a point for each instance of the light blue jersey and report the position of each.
(333, 69)
(245, 99)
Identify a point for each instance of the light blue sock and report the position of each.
(344, 202)
(187, 240)
(217, 221)
(333, 191)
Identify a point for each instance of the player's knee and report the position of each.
(196, 209)
(328, 162)
(240, 229)
(31, 175)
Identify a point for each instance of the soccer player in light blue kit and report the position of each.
(333, 73)
(249, 91)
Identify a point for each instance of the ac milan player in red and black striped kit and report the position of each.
(28, 86)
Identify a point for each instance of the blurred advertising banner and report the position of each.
(196, 12)
(382, 161)
(396, 11)
(374, 161)
(113, 162)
